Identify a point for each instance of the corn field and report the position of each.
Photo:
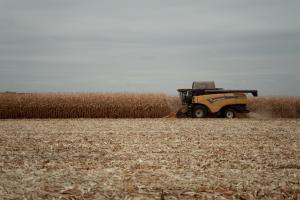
(122, 105)
(276, 106)
(83, 105)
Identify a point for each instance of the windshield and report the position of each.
(185, 96)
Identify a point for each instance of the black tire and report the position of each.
(199, 111)
(229, 113)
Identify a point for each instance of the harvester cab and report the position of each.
(205, 99)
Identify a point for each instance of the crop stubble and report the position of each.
(149, 158)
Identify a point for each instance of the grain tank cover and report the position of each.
(204, 85)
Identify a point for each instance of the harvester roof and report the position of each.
(203, 85)
(208, 87)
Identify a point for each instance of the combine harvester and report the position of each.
(205, 99)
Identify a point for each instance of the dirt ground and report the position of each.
(150, 159)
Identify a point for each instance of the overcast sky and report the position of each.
(149, 45)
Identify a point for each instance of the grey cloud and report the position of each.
(149, 46)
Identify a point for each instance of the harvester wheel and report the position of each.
(199, 112)
(229, 113)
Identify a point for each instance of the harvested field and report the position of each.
(123, 105)
(150, 159)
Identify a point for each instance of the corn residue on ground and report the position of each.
(150, 159)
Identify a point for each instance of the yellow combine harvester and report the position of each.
(205, 99)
